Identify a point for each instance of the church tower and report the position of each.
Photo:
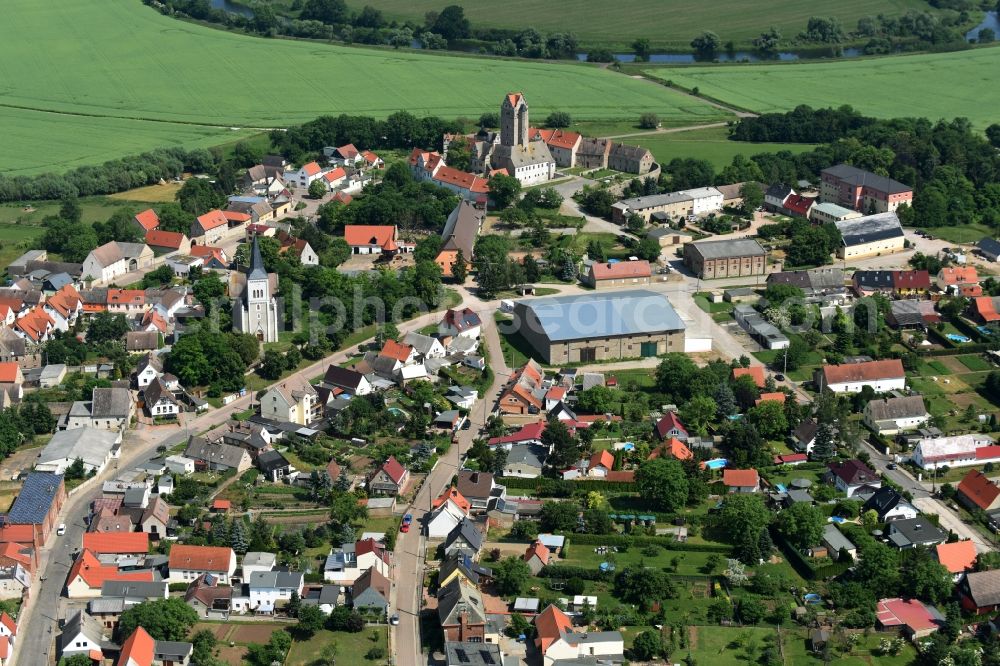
(514, 120)
(258, 313)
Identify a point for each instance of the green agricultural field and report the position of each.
(710, 144)
(937, 85)
(143, 66)
(665, 24)
(38, 141)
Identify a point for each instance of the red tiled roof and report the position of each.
(334, 174)
(361, 234)
(799, 204)
(200, 558)
(89, 569)
(139, 649)
(17, 534)
(311, 168)
(603, 459)
(988, 452)
(7, 621)
(675, 448)
(957, 557)
(621, 476)
(208, 251)
(222, 505)
(528, 432)
(852, 472)
(621, 270)
(212, 219)
(537, 548)
(395, 350)
(348, 150)
(462, 179)
(236, 216)
(370, 157)
(394, 469)
(911, 279)
(959, 275)
(343, 198)
(452, 494)
(5, 647)
(970, 290)
(35, 324)
(868, 371)
(148, 219)
(740, 478)
(514, 98)
(756, 372)
(126, 297)
(160, 238)
(118, 543)
(668, 422)
(789, 458)
(549, 626)
(978, 489)
(9, 372)
(983, 306)
(777, 396)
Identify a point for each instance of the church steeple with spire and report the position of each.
(257, 313)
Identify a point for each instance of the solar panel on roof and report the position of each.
(462, 657)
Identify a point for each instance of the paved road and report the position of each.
(410, 546)
(925, 501)
(40, 613)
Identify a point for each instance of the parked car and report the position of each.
(394, 620)
(61, 530)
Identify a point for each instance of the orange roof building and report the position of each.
(741, 480)
(36, 325)
(396, 350)
(777, 396)
(674, 448)
(138, 650)
(172, 240)
(550, 625)
(756, 372)
(977, 492)
(147, 219)
(621, 272)
(116, 543)
(188, 562)
(603, 458)
(368, 239)
(213, 219)
(87, 575)
(957, 557)
(455, 496)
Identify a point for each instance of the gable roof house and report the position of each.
(912, 532)
(957, 557)
(149, 367)
(850, 475)
(669, 426)
(525, 461)
(524, 392)
(208, 598)
(114, 259)
(461, 612)
(911, 616)
(890, 416)
(955, 451)
(210, 228)
(603, 275)
(187, 563)
(741, 480)
(980, 591)
(464, 539)
(537, 557)
(882, 376)
(459, 235)
(373, 239)
(294, 400)
(159, 401)
(389, 479)
(460, 323)
(976, 491)
(480, 489)
(890, 506)
(955, 280)
(463, 566)
(84, 634)
(217, 456)
(87, 576)
(445, 517)
(556, 641)
(371, 591)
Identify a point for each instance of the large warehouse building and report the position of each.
(597, 327)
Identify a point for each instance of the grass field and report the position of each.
(710, 144)
(938, 85)
(150, 193)
(144, 66)
(672, 24)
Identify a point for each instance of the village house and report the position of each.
(374, 239)
(979, 591)
(977, 492)
(304, 176)
(461, 612)
(562, 144)
(890, 416)
(912, 617)
(630, 159)
(217, 456)
(670, 206)
(524, 392)
(906, 533)
(210, 228)
(84, 634)
(459, 236)
(619, 274)
(871, 235)
(114, 259)
(480, 489)
(167, 242)
(159, 401)
(959, 280)
(882, 376)
(955, 451)
(464, 539)
(851, 475)
(267, 588)
(371, 592)
(556, 640)
(186, 563)
(537, 557)
(958, 557)
(87, 576)
(294, 400)
(889, 505)
(741, 480)
(390, 478)
(146, 221)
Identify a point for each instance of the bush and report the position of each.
(375, 653)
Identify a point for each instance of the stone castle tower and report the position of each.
(514, 120)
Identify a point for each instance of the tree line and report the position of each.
(955, 171)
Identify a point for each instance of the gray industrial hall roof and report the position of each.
(869, 229)
(738, 247)
(628, 312)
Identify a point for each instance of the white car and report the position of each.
(394, 620)
(61, 530)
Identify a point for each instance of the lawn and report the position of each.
(975, 363)
(940, 85)
(666, 25)
(351, 648)
(150, 193)
(724, 646)
(15, 239)
(142, 66)
(711, 144)
(966, 233)
(863, 654)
